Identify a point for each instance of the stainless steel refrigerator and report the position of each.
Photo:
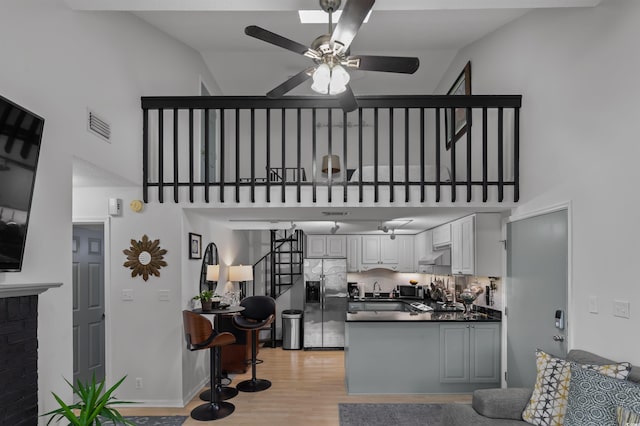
(325, 307)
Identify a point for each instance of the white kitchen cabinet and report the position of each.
(353, 253)
(476, 246)
(470, 353)
(441, 236)
(326, 246)
(379, 251)
(406, 258)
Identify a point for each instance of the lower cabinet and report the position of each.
(470, 353)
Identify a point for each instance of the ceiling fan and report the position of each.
(331, 55)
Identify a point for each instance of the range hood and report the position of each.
(439, 258)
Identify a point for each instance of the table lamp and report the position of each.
(241, 274)
(213, 274)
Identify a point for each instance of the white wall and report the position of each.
(57, 63)
(577, 72)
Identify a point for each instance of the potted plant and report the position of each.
(205, 299)
(94, 407)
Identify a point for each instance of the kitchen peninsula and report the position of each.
(394, 347)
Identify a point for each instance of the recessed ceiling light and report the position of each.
(322, 17)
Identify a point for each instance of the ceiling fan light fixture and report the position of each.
(327, 80)
(321, 79)
(339, 80)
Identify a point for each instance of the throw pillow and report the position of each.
(593, 398)
(627, 417)
(548, 403)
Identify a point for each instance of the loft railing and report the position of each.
(196, 147)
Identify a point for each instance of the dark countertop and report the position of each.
(439, 313)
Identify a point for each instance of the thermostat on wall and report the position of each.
(115, 206)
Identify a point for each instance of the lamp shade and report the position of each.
(335, 164)
(241, 273)
(213, 272)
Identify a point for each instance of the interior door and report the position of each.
(537, 282)
(88, 303)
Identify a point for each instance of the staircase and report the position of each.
(277, 271)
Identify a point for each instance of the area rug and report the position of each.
(157, 420)
(390, 414)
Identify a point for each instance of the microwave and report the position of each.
(410, 291)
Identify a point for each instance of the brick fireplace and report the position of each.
(19, 353)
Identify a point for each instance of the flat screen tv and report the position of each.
(20, 136)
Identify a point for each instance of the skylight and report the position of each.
(322, 17)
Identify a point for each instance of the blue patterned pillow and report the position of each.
(593, 398)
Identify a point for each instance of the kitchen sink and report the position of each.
(380, 305)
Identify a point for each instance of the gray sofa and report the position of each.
(503, 407)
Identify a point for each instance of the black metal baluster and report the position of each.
(145, 155)
(485, 193)
(391, 177)
(375, 155)
(191, 154)
(223, 143)
(453, 156)
(516, 154)
(329, 141)
(344, 155)
(268, 192)
(406, 155)
(422, 159)
(298, 153)
(283, 148)
(161, 155)
(253, 155)
(207, 166)
(438, 155)
(468, 118)
(360, 154)
(500, 155)
(175, 155)
(313, 153)
(237, 111)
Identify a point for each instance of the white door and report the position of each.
(536, 287)
(88, 303)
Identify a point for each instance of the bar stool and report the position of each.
(259, 312)
(200, 335)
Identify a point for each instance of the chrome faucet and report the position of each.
(376, 293)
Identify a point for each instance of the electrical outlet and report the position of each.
(138, 382)
(593, 304)
(621, 308)
(126, 294)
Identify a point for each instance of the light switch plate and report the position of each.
(593, 304)
(621, 308)
(126, 295)
(163, 295)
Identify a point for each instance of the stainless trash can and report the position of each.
(292, 329)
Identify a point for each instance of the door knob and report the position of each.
(558, 338)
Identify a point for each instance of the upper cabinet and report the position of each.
(441, 236)
(476, 245)
(406, 258)
(353, 253)
(379, 251)
(326, 246)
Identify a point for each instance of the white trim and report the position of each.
(28, 289)
(105, 221)
(551, 209)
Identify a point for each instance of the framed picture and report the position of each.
(455, 118)
(195, 246)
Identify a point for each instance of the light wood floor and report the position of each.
(306, 389)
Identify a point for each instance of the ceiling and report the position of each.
(432, 30)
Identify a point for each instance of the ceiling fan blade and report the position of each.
(278, 40)
(352, 17)
(401, 64)
(348, 101)
(290, 84)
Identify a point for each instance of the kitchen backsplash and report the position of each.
(389, 279)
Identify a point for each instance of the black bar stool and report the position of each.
(259, 312)
(200, 335)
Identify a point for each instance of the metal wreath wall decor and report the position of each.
(145, 257)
